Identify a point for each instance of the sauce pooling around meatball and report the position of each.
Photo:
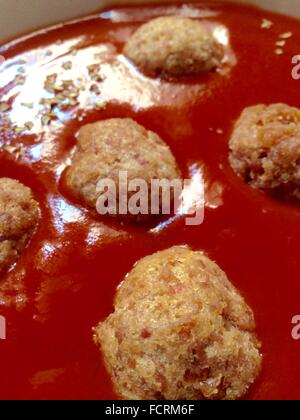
(180, 330)
(59, 79)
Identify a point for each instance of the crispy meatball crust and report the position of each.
(107, 147)
(19, 214)
(180, 330)
(265, 149)
(174, 46)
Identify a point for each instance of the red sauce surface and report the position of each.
(64, 283)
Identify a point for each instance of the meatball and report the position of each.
(265, 149)
(19, 214)
(174, 46)
(109, 147)
(180, 330)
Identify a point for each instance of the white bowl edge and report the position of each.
(20, 16)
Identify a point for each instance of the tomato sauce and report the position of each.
(65, 280)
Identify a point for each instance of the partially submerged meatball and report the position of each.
(19, 214)
(174, 46)
(180, 330)
(107, 148)
(265, 149)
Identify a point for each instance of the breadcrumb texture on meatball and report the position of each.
(180, 330)
(174, 46)
(108, 147)
(265, 149)
(19, 214)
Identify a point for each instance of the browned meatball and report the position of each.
(108, 147)
(265, 149)
(19, 214)
(174, 46)
(180, 330)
